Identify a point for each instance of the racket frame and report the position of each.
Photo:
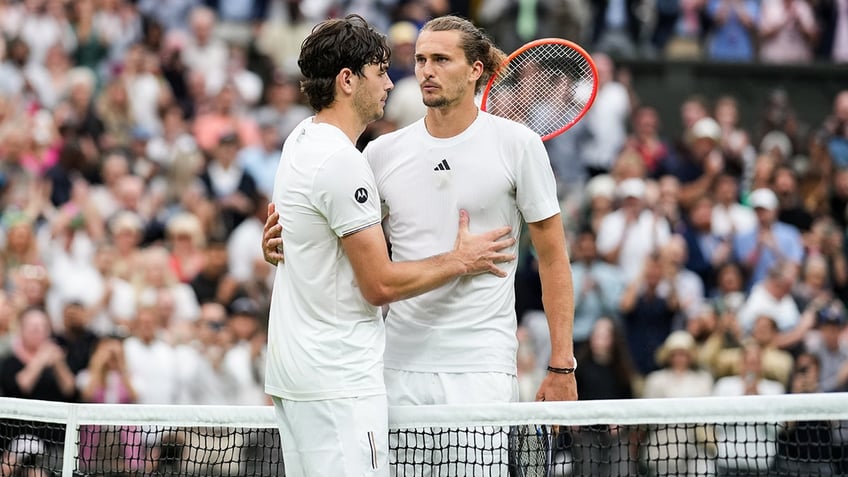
(547, 41)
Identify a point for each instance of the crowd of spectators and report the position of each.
(139, 140)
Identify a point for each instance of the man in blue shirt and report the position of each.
(769, 242)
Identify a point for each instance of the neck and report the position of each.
(449, 122)
(343, 118)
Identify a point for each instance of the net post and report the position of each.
(70, 450)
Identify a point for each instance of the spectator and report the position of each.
(706, 250)
(245, 261)
(746, 448)
(600, 195)
(770, 242)
(685, 283)
(186, 240)
(832, 18)
(228, 185)
(36, 369)
(284, 108)
(92, 44)
(605, 372)
(174, 144)
(152, 362)
(617, 28)
(260, 161)
(698, 161)
(598, 287)
(223, 118)
(76, 340)
(781, 132)
(126, 232)
(43, 25)
(729, 216)
(204, 380)
(104, 196)
(604, 127)
(735, 141)
(772, 297)
(669, 451)
(685, 37)
(632, 232)
(106, 380)
(776, 363)
(647, 315)
(807, 447)
(825, 343)
(113, 108)
(835, 129)
(204, 52)
(645, 139)
(733, 25)
(245, 360)
(214, 282)
(787, 31)
(156, 285)
(790, 208)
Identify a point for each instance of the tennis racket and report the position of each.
(547, 85)
(530, 451)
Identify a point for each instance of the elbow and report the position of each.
(378, 295)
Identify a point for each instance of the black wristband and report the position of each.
(564, 370)
(561, 370)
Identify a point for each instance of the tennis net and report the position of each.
(802, 434)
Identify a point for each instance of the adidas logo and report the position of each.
(442, 166)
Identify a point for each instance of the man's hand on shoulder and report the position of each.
(272, 237)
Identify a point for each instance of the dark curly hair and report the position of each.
(332, 46)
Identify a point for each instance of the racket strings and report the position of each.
(546, 87)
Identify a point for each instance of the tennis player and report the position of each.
(326, 336)
(457, 344)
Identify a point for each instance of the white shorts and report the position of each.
(334, 437)
(410, 388)
(460, 452)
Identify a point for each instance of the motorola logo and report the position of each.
(361, 195)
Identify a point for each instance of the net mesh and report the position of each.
(547, 87)
(785, 435)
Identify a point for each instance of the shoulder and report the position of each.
(398, 138)
(503, 126)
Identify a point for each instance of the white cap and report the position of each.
(633, 187)
(602, 185)
(763, 198)
(706, 128)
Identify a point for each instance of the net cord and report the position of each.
(786, 407)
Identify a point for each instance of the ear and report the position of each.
(344, 80)
(476, 71)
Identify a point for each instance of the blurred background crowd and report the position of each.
(139, 141)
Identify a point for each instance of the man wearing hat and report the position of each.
(769, 242)
(632, 232)
(699, 162)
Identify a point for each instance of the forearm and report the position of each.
(28, 377)
(65, 378)
(558, 303)
(401, 280)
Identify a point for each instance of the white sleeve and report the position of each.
(345, 192)
(536, 193)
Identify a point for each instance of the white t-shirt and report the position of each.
(499, 172)
(640, 239)
(325, 341)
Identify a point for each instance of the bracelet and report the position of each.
(564, 370)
